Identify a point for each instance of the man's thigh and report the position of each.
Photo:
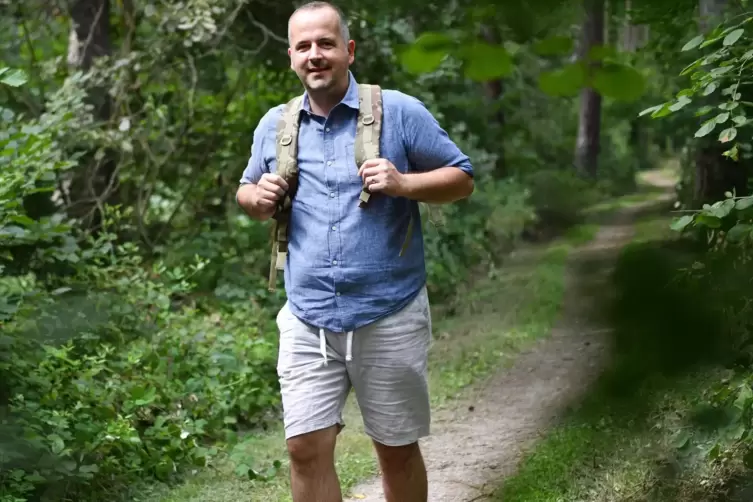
(313, 394)
(389, 374)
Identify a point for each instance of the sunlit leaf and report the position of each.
(554, 46)
(733, 37)
(682, 222)
(728, 135)
(692, 43)
(12, 78)
(706, 128)
(619, 81)
(486, 62)
(418, 61)
(565, 81)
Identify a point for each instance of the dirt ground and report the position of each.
(478, 442)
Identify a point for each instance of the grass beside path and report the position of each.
(625, 442)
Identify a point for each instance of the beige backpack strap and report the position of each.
(287, 168)
(368, 129)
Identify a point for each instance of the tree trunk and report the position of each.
(589, 120)
(95, 180)
(494, 90)
(714, 173)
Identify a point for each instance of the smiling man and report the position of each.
(357, 313)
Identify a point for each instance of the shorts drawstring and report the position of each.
(349, 347)
(323, 346)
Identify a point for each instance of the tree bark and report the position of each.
(589, 120)
(95, 181)
(494, 90)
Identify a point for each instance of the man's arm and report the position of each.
(443, 173)
(439, 186)
(253, 195)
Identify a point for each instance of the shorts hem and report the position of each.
(313, 427)
(402, 440)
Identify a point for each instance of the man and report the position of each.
(357, 312)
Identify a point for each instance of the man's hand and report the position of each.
(260, 200)
(381, 176)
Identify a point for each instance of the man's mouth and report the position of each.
(317, 70)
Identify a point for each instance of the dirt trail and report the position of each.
(481, 440)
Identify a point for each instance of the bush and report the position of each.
(559, 196)
(107, 380)
(473, 232)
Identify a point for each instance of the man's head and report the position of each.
(320, 47)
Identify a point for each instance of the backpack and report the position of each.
(368, 134)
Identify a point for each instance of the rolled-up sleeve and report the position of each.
(258, 162)
(428, 144)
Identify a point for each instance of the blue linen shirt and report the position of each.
(343, 268)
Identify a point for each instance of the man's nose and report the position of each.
(314, 52)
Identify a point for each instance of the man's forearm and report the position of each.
(438, 186)
(244, 198)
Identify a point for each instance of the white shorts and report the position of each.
(385, 362)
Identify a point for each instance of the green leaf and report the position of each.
(601, 52)
(721, 118)
(709, 88)
(650, 110)
(486, 62)
(619, 81)
(739, 232)
(432, 41)
(744, 203)
(679, 224)
(708, 221)
(565, 81)
(733, 37)
(418, 61)
(427, 52)
(554, 46)
(692, 43)
(706, 128)
(13, 78)
(728, 135)
(681, 103)
(739, 120)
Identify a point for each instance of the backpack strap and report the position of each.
(286, 140)
(368, 129)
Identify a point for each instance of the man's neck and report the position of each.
(323, 103)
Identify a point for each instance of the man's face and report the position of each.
(318, 54)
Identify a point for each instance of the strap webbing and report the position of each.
(287, 169)
(368, 129)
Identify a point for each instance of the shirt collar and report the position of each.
(350, 99)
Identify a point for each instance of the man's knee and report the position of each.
(309, 450)
(396, 458)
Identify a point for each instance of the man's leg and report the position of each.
(312, 466)
(313, 397)
(403, 472)
(389, 375)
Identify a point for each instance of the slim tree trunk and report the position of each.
(589, 120)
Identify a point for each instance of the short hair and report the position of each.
(318, 4)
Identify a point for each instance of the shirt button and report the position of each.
(334, 262)
(332, 194)
(334, 228)
(337, 294)
(327, 129)
(329, 163)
